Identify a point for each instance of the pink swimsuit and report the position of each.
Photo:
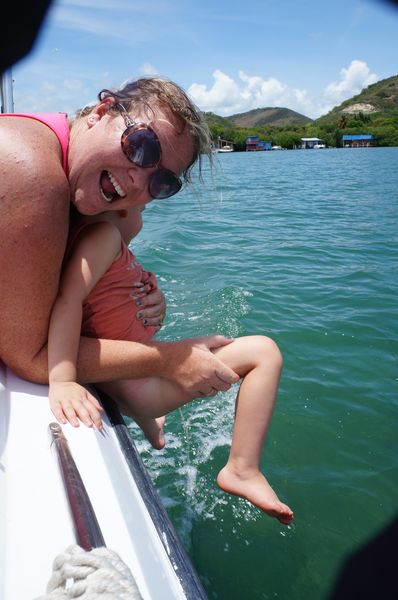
(109, 311)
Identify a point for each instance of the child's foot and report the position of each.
(153, 431)
(256, 489)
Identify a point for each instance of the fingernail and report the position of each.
(139, 303)
(145, 322)
(139, 315)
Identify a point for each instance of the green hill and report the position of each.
(213, 119)
(374, 110)
(380, 97)
(268, 116)
(379, 100)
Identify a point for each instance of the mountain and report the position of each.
(213, 119)
(276, 117)
(380, 97)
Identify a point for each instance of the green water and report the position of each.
(300, 246)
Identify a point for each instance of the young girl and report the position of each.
(95, 297)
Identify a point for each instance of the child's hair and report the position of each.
(149, 92)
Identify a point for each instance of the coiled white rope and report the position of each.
(98, 574)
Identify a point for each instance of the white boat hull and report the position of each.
(35, 521)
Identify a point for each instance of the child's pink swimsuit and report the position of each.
(109, 311)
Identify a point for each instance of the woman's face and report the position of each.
(101, 177)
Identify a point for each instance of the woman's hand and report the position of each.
(152, 308)
(71, 402)
(193, 366)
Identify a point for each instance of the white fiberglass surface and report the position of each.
(35, 523)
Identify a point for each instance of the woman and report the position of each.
(36, 188)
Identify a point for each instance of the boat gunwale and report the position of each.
(168, 536)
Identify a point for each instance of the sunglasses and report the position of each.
(142, 147)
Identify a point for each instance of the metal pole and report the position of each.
(88, 532)
(7, 101)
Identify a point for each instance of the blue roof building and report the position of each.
(358, 140)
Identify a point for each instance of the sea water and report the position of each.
(300, 246)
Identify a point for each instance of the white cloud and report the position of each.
(352, 81)
(147, 70)
(227, 96)
(74, 85)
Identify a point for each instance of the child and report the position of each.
(89, 300)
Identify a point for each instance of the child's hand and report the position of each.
(70, 402)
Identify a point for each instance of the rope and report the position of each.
(98, 574)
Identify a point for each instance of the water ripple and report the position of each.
(301, 246)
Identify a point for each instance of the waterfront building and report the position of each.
(312, 143)
(254, 144)
(358, 140)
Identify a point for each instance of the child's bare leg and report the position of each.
(259, 361)
(152, 427)
(147, 401)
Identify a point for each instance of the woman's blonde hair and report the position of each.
(149, 92)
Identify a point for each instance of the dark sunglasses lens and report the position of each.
(163, 184)
(141, 147)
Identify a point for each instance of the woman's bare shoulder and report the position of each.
(29, 146)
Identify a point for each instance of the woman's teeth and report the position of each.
(110, 187)
(117, 185)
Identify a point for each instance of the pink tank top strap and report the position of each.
(58, 123)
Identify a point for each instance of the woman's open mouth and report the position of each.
(110, 188)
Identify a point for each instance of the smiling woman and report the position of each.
(163, 138)
(36, 191)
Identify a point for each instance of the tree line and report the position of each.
(330, 129)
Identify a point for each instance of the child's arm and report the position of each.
(93, 252)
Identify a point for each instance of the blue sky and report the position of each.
(230, 55)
